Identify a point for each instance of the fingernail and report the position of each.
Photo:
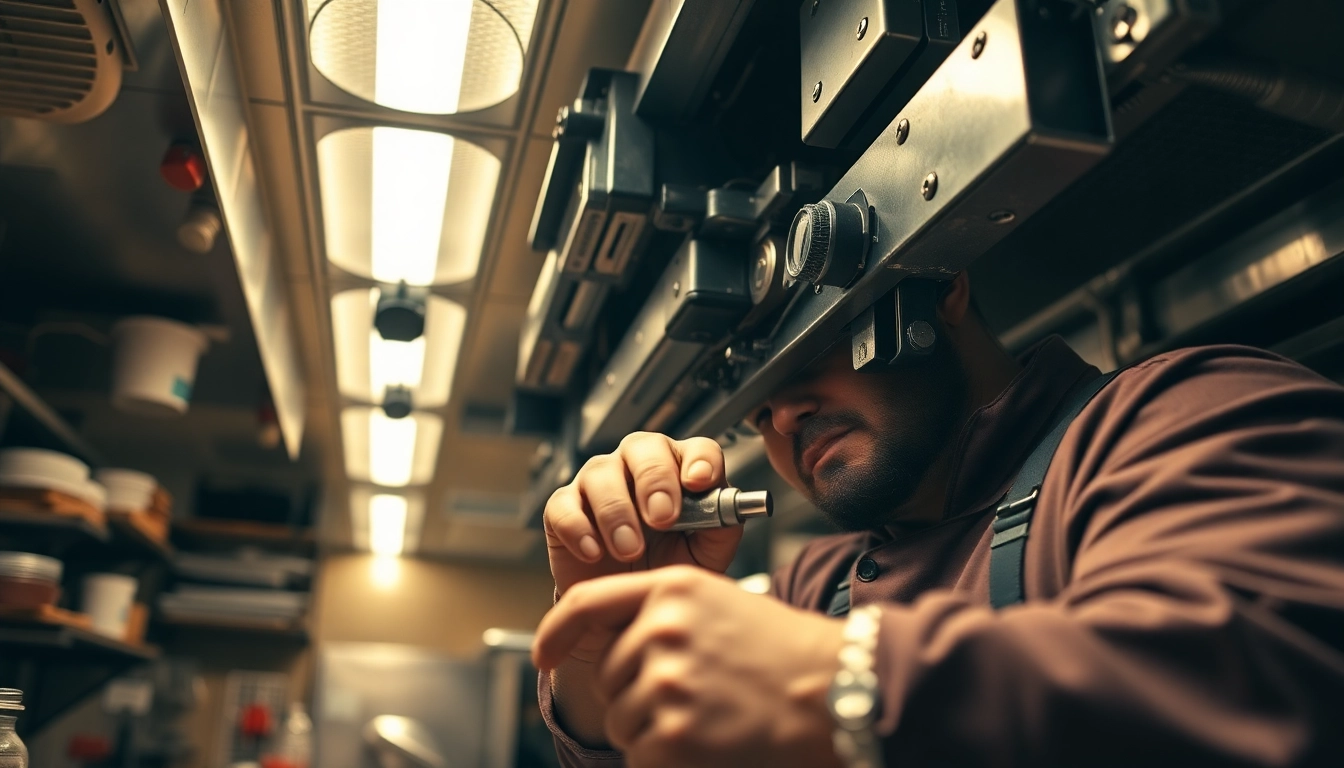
(660, 507)
(625, 540)
(589, 547)
(701, 470)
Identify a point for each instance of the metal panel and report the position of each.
(679, 52)
(1015, 114)
(210, 72)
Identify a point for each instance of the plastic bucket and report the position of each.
(108, 598)
(127, 490)
(154, 365)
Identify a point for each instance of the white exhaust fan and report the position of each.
(60, 60)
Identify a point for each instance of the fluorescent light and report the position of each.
(421, 54)
(387, 524)
(391, 449)
(410, 189)
(395, 363)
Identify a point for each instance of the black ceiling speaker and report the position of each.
(400, 316)
(397, 402)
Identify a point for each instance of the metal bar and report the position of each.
(28, 401)
(1016, 114)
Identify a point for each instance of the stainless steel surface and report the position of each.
(403, 742)
(679, 52)
(721, 508)
(997, 136)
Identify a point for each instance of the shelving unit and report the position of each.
(18, 396)
(51, 640)
(207, 534)
(279, 629)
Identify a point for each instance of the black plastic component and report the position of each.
(400, 316)
(397, 402)
(730, 214)
(680, 207)
(901, 326)
(862, 80)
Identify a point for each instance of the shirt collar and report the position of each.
(1000, 435)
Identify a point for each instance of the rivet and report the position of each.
(1001, 216)
(611, 379)
(676, 289)
(863, 28)
(815, 5)
(930, 186)
(978, 47)
(1122, 25)
(902, 131)
(816, 92)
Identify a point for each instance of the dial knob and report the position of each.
(826, 244)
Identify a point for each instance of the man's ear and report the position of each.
(954, 306)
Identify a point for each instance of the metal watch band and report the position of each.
(854, 698)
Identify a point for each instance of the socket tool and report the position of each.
(722, 507)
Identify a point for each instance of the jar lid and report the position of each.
(25, 565)
(11, 699)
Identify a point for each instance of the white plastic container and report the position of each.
(38, 462)
(108, 598)
(127, 489)
(154, 365)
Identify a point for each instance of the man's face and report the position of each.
(859, 444)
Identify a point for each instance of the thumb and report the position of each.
(714, 548)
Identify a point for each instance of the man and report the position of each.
(1184, 576)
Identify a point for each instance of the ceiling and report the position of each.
(87, 235)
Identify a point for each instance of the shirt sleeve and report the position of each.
(1201, 615)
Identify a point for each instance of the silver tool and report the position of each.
(721, 508)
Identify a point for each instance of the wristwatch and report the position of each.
(854, 698)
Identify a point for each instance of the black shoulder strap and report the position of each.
(1012, 520)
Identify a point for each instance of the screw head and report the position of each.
(921, 334)
(816, 92)
(676, 288)
(863, 28)
(1122, 24)
(611, 379)
(815, 5)
(1001, 216)
(930, 186)
(978, 47)
(902, 131)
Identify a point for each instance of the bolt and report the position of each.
(1001, 216)
(815, 5)
(863, 28)
(1122, 24)
(816, 92)
(676, 289)
(611, 379)
(978, 47)
(902, 131)
(921, 334)
(930, 186)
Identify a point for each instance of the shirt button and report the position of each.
(867, 570)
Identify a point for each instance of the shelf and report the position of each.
(70, 642)
(26, 400)
(233, 533)
(133, 538)
(52, 526)
(278, 628)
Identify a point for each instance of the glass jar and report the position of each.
(13, 754)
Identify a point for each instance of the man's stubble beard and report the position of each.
(862, 493)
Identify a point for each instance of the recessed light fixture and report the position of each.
(393, 453)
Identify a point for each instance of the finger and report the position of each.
(662, 683)
(607, 602)
(662, 624)
(715, 548)
(655, 469)
(701, 463)
(605, 489)
(568, 526)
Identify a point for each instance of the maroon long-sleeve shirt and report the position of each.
(1184, 578)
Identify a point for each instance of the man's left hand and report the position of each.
(703, 673)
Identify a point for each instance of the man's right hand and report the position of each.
(613, 518)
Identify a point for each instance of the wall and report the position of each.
(438, 605)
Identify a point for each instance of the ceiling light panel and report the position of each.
(366, 363)
(428, 56)
(405, 205)
(386, 522)
(393, 453)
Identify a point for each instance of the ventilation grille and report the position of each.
(485, 508)
(58, 59)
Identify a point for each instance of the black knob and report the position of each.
(826, 244)
(397, 402)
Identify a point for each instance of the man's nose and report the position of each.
(788, 415)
